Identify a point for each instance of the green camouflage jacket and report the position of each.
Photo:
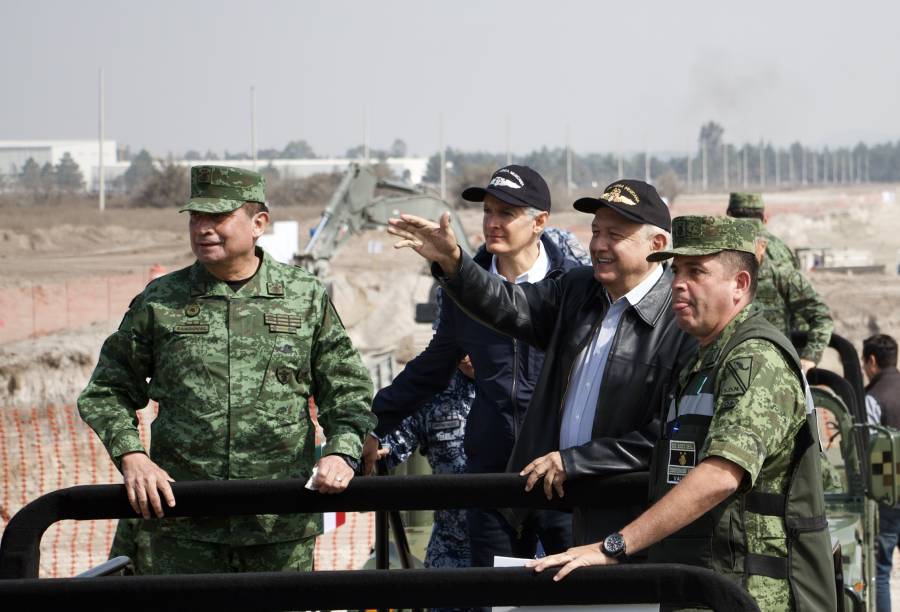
(777, 251)
(233, 373)
(758, 408)
(789, 302)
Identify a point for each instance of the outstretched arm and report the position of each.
(434, 241)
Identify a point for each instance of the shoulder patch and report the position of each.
(736, 373)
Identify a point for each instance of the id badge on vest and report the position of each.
(682, 459)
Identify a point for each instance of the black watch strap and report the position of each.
(351, 461)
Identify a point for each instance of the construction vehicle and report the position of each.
(355, 207)
(863, 473)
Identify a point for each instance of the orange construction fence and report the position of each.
(49, 448)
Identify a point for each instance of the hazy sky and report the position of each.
(623, 75)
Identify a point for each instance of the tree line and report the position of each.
(715, 164)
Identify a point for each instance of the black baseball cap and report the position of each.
(635, 200)
(516, 185)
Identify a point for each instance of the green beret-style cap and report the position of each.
(222, 189)
(747, 201)
(700, 235)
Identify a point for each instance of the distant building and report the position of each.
(86, 153)
(14, 154)
(410, 169)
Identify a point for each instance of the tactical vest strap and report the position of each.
(806, 523)
(768, 504)
(763, 565)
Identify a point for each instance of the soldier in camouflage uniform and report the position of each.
(232, 348)
(735, 477)
(788, 299)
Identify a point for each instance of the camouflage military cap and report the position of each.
(221, 189)
(745, 201)
(700, 235)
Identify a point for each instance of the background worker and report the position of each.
(883, 407)
(516, 211)
(232, 348)
(736, 483)
(788, 299)
(611, 343)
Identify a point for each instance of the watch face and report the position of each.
(614, 544)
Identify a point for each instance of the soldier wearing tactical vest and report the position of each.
(736, 484)
(787, 298)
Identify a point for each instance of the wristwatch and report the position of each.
(613, 546)
(351, 461)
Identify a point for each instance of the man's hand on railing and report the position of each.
(332, 474)
(549, 467)
(572, 559)
(144, 481)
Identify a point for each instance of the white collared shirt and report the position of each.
(535, 273)
(584, 389)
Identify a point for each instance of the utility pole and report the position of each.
(366, 135)
(443, 158)
(777, 168)
(804, 164)
(253, 125)
(762, 164)
(689, 173)
(101, 188)
(568, 165)
(621, 166)
(725, 166)
(792, 174)
(646, 166)
(508, 151)
(704, 166)
(746, 165)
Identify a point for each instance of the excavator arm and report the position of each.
(355, 208)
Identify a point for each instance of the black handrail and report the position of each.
(20, 546)
(677, 585)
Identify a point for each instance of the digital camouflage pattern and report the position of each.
(177, 556)
(789, 302)
(777, 251)
(233, 373)
(695, 235)
(221, 189)
(759, 407)
(746, 201)
(568, 244)
(437, 430)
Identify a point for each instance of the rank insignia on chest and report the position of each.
(275, 288)
(682, 458)
(192, 310)
(282, 324)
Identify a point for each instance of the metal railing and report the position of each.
(645, 583)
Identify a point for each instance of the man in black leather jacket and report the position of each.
(611, 324)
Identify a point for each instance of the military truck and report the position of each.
(861, 472)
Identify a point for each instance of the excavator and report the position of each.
(355, 207)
